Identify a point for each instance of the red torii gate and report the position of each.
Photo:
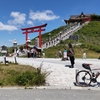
(34, 29)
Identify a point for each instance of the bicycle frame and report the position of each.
(85, 77)
(87, 66)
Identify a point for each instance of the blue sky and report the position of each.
(17, 14)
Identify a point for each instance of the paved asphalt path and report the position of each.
(48, 94)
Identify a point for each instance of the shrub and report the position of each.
(21, 75)
(31, 78)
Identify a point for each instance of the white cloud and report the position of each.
(19, 18)
(42, 16)
(29, 22)
(7, 27)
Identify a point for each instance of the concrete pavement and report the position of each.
(60, 75)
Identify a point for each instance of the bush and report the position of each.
(94, 48)
(31, 78)
(22, 76)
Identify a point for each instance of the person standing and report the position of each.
(70, 54)
(18, 52)
(28, 52)
(32, 51)
(43, 54)
(65, 55)
(35, 53)
(84, 55)
(59, 53)
(55, 55)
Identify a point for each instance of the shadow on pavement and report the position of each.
(91, 85)
(68, 66)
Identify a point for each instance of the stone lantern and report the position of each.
(15, 51)
(15, 45)
(28, 41)
(4, 50)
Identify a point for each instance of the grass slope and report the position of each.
(89, 36)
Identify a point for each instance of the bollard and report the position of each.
(5, 60)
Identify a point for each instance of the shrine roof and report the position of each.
(80, 16)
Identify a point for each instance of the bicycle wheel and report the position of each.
(83, 78)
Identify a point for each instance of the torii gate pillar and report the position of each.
(34, 29)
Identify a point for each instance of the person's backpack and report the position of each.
(69, 53)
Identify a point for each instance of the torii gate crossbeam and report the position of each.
(34, 29)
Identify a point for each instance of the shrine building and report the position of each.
(82, 18)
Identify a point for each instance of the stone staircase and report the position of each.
(63, 35)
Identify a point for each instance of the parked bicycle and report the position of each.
(85, 77)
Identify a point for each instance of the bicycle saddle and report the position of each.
(86, 66)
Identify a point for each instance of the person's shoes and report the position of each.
(71, 66)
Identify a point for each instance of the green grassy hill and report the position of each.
(89, 36)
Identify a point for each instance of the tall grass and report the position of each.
(21, 75)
